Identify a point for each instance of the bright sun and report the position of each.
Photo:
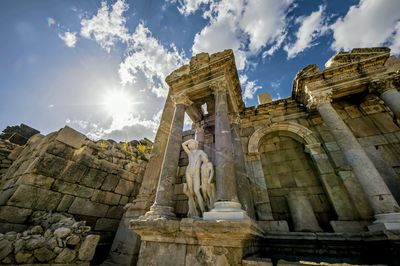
(117, 103)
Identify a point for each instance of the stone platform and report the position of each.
(195, 242)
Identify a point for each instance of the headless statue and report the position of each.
(207, 185)
(192, 173)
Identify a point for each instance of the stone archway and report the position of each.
(294, 130)
(322, 176)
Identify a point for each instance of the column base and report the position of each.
(226, 210)
(385, 221)
(159, 212)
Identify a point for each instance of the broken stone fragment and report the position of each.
(44, 254)
(62, 232)
(88, 247)
(67, 255)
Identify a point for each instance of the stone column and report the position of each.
(389, 94)
(163, 204)
(126, 244)
(227, 206)
(382, 201)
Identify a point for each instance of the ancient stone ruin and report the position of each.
(310, 179)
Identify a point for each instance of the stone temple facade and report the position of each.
(313, 178)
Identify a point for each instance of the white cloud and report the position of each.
(245, 26)
(108, 26)
(149, 57)
(311, 27)
(187, 7)
(250, 87)
(69, 38)
(264, 21)
(370, 23)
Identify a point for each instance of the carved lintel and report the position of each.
(181, 99)
(313, 99)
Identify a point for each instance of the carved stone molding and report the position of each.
(181, 99)
(379, 87)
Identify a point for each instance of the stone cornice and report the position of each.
(194, 78)
(342, 80)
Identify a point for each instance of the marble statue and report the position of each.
(207, 185)
(199, 175)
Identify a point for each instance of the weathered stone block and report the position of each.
(115, 212)
(48, 200)
(164, 251)
(14, 214)
(71, 137)
(106, 224)
(6, 194)
(74, 172)
(72, 189)
(87, 207)
(108, 198)
(50, 165)
(125, 187)
(384, 122)
(25, 196)
(94, 178)
(65, 203)
(36, 180)
(60, 149)
(110, 182)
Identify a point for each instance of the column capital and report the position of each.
(181, 99)
(219, 86)
(314, 99)
(381, 86)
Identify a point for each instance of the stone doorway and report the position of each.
(291, 178)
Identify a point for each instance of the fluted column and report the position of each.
(227, 206)
(382, 201)
(389, 94)
(163, 204)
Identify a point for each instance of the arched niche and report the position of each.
(332, 188)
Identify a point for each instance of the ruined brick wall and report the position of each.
(66, 172)
(7, 156)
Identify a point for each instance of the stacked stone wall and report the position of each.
(7, 156)
(66, 172)
(52, 238)
(370, 121)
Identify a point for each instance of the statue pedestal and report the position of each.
(195, 242)
(226, 210)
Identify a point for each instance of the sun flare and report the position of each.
(117, 102)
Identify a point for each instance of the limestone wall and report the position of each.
(66, 172)
(7, 156)
(371, 122)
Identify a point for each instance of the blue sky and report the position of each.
(99, 66)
